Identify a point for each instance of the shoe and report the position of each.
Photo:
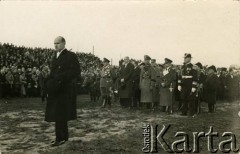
(57, 143)
(183, 114)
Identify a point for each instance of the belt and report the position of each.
(187, 77)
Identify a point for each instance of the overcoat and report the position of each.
(166, 81)
(155, 76)
(146, 84)
(61, 88)
(126, 87)
(211, 84)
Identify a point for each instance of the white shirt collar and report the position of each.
(58, 53)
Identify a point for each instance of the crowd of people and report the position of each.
(162, 86)
(23, 70)
(134, 83)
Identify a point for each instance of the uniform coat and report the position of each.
(146, 84)
(106, 81)
(125, 91)
(61, 88)
(155, 76)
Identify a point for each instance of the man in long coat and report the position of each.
(167, 84)
(146, 86)
(126, 84)
(136, 80)
(61, 90)
(211, 88)
(155, 76)
(106, 83)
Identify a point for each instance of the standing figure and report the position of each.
(167, 84)
(42, 82)
(106, 83)
(211, 88)
(201, 77)
(136, 80)
(61, 90)
(146, 86)
(155, 76)
(125, 82)
(187, 85)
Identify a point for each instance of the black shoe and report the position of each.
(183, 114)
(57, 143)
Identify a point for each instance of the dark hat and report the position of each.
(213, 68)
(153, 60)
(219, 69)
(224, 69)
(146, 57)
(199, 65)
(187, 55)
(142, 64)
(167, 61)
(106, 60)
(160, 65)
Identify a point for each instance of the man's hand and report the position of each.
(179, 88)
(122, 80)
(163, 84)
(194, 90)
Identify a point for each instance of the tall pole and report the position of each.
(93, 49)
(111, 61)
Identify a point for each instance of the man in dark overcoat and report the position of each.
(211, 84)
(61, 90)
(135, 80)
(126, 84)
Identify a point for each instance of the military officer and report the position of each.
(200, 80)
(106, 83)
(187, 85)
(155, 76)
(146, 86)
(167, 84)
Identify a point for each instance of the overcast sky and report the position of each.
(210, 30)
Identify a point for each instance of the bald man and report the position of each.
(61, 90)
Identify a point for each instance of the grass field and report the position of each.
(109, 130)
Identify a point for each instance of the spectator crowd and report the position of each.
(23, 69)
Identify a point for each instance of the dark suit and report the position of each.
(232, 86)
(61, 89)
(136, 89)
(211, 84)
(125, 89)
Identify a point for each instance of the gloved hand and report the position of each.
(194, 90)
(179, 88)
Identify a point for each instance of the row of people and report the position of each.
(149, 84)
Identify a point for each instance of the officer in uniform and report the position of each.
(187, 85)
(167, 84)
(201, 77)
(146, 86)
(106, 83)
(155, 77)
